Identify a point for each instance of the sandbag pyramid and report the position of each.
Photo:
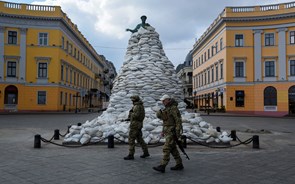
(146, 72)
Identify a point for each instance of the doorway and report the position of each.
(291, 100)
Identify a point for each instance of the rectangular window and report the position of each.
(74, 78)
(62, 72)
(11, 69)
(71, 73)
(240, 98)
(212, 73)
(239, 69)
(239, 40)
(66, 99)
(41, 97)
(292, 37)
(216, 46)
(269, 39)
(269, 69)
(208, 53)
(221, 44)
(221, 70)
(12, 37)
(43, 39)
(216, 71)
(70, 49)
(67, 70)
(42, 70)
(62, 42)
(67, 46)
(292, 67)
(209, 76)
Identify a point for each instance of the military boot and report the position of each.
(129, 157)
(160, 168)
(145, 155)
(177, 167)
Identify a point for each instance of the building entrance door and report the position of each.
(291, 98)
(11, 98)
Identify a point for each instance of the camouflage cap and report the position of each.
(135, 98)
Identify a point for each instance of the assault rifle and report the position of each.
(179, 143)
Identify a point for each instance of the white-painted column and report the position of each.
(2, 53)
(282, 54)
(23, 47)
(257, 55)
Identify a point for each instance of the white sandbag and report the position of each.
(204, 124)
(197, 131)
(148, 127)
(211, 139)
(157, 130)
(224, 138)
(85, 139)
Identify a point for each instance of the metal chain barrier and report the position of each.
(111, 138)
(248, 141)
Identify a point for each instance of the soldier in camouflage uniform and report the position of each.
(171, 122)
(136, 116)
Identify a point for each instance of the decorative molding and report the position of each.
(282, 29)
(244, 58)
(270, 57)
(23, 30)
(257, 31)
(7, 57)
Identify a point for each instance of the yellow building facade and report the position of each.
(46, 64)
(245, 61)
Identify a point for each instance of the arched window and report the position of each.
(270, 96)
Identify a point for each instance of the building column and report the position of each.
(282, 53)
(257, 55)
(2, 29)
(23, 47)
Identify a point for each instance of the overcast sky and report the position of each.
(179, 22)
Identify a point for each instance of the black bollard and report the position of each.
(233, 135)
(56, 134)
(183, 141)
(218, 129)
(37, 141)
(255, 140)
(110, 141)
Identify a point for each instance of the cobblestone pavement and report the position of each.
(21, 163)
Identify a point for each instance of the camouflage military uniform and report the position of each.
(136, 116)
(171, 122)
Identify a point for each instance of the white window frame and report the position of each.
(270, 78)
(16, 40)
(242, 78)
(45, 98)
(274, 40)
(243, 41)
(41, 40)
(290, 77)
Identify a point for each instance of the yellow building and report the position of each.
(46, 64)
(245, 61)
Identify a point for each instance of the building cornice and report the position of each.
(26, 21)
(224, 20)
